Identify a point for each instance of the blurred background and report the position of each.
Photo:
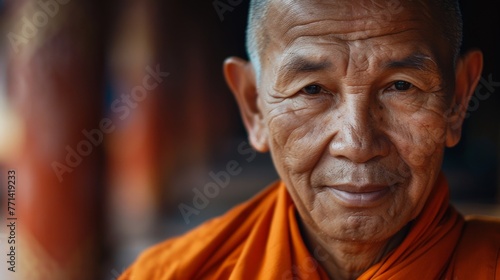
(115, 116)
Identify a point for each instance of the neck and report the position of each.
(347, 260)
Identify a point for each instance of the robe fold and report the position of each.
(261, 239)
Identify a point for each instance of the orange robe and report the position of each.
(260, 239)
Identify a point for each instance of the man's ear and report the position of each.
(240, 76)
(467, 74)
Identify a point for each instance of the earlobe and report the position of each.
(240, 77)
(467, 74)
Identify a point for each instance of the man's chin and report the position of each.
(366, 225)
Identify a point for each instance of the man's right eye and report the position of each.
(312, 89)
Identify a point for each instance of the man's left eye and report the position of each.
(312, 89)
(401, 86)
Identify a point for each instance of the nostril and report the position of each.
(359, 145)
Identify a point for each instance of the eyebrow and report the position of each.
(416, 61)
(300, 64)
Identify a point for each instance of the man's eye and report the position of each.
(401, 86)
(312, 89)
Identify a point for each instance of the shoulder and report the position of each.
(478, 251)
(481, 231)
(489, 225)
(203, 249)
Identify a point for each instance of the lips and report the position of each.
(360, 196)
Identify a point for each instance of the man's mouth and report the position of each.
(361, 196)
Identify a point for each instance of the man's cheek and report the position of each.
(281, 126)
(290, 120)
(417, 157)
(424, 147)
(290, 135)
(418, 137)
(297, 140)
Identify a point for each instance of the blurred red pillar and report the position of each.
(138, 149)
(55, 84)
(167, 139)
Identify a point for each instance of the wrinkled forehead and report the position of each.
(291, 22)
(347, 16)
(337, 28)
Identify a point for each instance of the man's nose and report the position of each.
(360, 137)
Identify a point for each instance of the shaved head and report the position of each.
(256, 35)
(447, 13)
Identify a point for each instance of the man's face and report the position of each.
(354, 98)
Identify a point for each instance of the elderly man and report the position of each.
(356, 102)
